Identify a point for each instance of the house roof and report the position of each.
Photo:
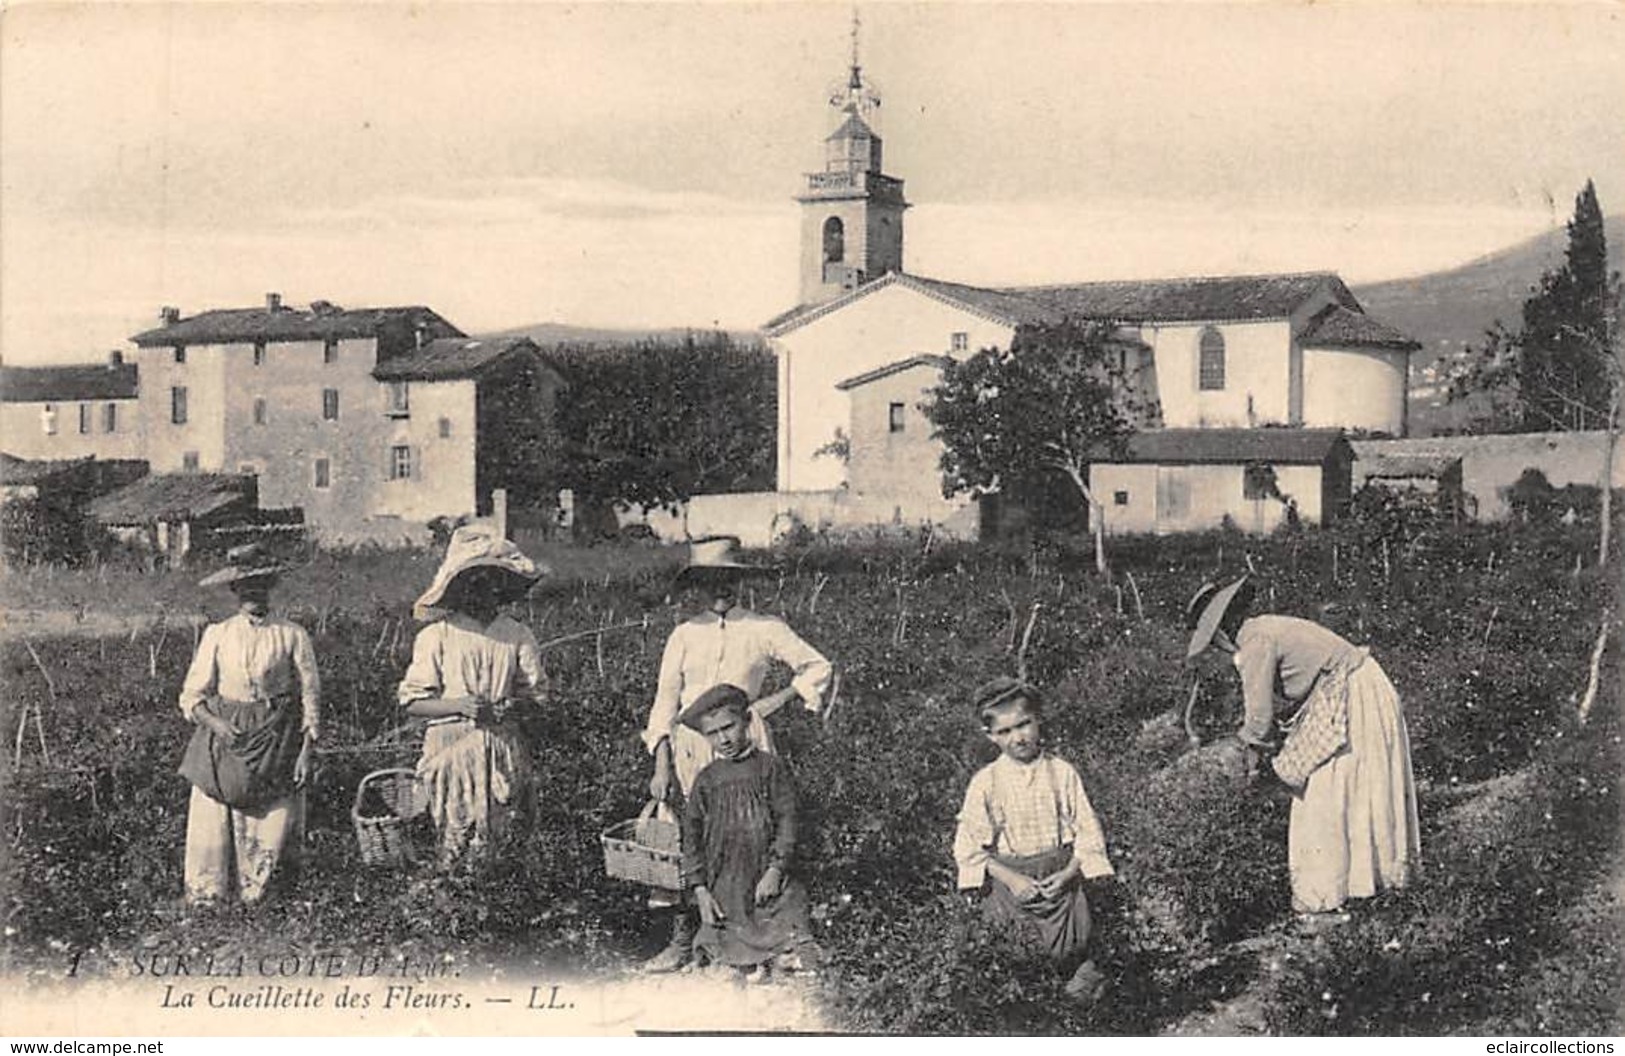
(889, 369)
(68, 383)
(1337, 327)
(448, 358)
(321, 322)
(1213, 298)
(158, 495)
(1228, 446)
(14, 470)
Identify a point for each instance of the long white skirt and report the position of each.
(1353, 829)
(235, 852)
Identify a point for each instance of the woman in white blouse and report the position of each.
(725, 643)
(470, 668)
(255, 696)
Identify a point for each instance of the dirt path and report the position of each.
(61, 623)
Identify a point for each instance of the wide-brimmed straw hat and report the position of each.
(715, 557)
(1207, 609)
(722, 695)
(476, 545)
(249, 561)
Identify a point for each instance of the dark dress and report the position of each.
(739, 819)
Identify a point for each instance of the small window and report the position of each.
(323, 473)
(180, 353)
(400, 400)
(330, 405)
(330, 352)
(86, 416)
(960, 341)
(109, 417)
(259, 410)
(177, 404)
(259, 353)
(1211, 370)
(189, 461)
(1120, 498)
(400, 462)
(445, 428)
(47, 419)
(894, 418)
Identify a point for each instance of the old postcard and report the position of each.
(932, 518)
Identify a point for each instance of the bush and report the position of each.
(39, 530)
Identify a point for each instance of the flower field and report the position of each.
(1513, 926)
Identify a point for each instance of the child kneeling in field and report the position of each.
(739, 838)
(1027, 834)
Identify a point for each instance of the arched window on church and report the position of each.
(1210, 373)
(834, 241)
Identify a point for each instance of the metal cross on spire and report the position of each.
(857, 96)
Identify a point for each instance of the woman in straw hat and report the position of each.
(726, 643)
(255, 696)
(469, 668)
(1346, 754)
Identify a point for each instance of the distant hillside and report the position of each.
(549, 334)
(1448, 311)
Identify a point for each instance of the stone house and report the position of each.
(71, 411)
(373, 421)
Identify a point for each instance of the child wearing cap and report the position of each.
(739, 838)
(1027, 834)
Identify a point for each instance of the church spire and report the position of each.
(858, 98)
(852, 213)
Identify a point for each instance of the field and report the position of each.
(1514, 926)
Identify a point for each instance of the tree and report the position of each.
(1018, 422)
(653, 424)
(1553, 373)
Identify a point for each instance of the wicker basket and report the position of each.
(646, 850)
(387, 803)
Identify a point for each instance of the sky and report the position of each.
(610, 164)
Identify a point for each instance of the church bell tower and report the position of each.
(851, 212)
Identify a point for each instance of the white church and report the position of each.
(1251, 371)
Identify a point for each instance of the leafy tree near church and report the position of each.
(1554, 373)
(654, 423)
(1025, 421)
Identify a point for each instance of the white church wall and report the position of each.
(885, 326)
(1256, 374)
(1355, 388)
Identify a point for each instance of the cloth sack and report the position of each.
(1320, 729)
(259, 770)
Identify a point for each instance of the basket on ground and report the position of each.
(646, 849)
(388, 803)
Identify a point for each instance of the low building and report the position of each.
(1182, 480)
(71, 411)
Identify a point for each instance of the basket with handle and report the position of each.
(646, 849)
(389, 804)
